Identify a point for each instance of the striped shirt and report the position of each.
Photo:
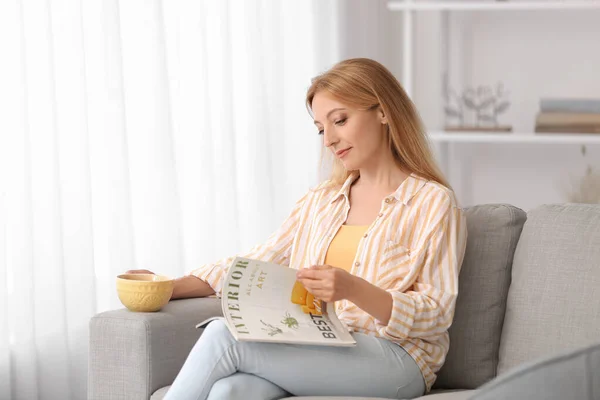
(414, 250)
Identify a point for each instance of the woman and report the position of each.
(384, 238)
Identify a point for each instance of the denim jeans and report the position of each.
(219, 367)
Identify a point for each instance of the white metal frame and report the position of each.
(490, 5)
(485, 137)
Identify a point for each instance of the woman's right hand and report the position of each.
(140, 271)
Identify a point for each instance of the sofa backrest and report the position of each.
(493, 233)
(554, 298)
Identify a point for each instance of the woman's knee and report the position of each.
(217, 330)
(242, 386)
(225, 388)
(214, 340)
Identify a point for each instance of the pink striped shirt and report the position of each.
(413, 249)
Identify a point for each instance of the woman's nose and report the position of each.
(328, 138)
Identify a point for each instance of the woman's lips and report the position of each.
(343, 152)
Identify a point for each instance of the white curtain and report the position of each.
(139, 134)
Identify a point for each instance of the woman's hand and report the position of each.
(184, 287)
(327, 283)
(331, 284)
(140, 271)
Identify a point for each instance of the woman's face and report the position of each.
(354, 136)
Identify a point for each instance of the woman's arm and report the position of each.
(276, 249)
(184, 287)
(190, 286)
(207, 279)
(427, 307)
(372, 300)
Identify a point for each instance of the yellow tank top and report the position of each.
(342, 250)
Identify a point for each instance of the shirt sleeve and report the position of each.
(427, 308)
(276, 249)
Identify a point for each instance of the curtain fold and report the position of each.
(140, 134)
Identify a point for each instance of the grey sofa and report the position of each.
(527, 321)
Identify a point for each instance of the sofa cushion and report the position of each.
(554, 299)
(333, 398)
(160, 393)
(434, 395)
(573, 375)
(448, 395)
(493, 233)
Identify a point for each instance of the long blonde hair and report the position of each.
(365, 83)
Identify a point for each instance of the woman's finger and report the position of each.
(319, 294)
(309, 283)
(307, 273)
(320, 267)
(139, 271)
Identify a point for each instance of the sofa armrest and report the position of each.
(132, 354)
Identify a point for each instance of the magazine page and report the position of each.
(263, 301)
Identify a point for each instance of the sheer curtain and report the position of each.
(139, 134)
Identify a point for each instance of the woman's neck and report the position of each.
(383, 179)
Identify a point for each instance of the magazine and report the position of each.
(263, 302)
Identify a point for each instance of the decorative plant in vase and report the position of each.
(483, 104)
(585, 189)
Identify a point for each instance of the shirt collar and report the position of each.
(345, 190)
(404, 193)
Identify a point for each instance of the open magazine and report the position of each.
(263, 302)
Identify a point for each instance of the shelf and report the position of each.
(428, 5)
(519, 137)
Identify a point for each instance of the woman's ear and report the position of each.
(382, 118)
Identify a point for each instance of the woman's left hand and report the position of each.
(327, 283)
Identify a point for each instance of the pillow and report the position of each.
(573, 375)
(493, 233)
(554, 299)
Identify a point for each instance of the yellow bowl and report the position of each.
(144, 292)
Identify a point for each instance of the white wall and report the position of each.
(535, 54)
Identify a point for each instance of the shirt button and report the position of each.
(387, 200)
(357, 263)
(380, 215)
(365, 235)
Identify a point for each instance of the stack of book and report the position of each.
(568, 116)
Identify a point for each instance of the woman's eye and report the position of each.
(338, 123)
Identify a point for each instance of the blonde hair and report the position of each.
(365, 83)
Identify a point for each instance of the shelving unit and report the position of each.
(410, 7)
(486, 137)
(446, 142)
(428, 5)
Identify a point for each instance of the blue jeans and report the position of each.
(219, 367)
